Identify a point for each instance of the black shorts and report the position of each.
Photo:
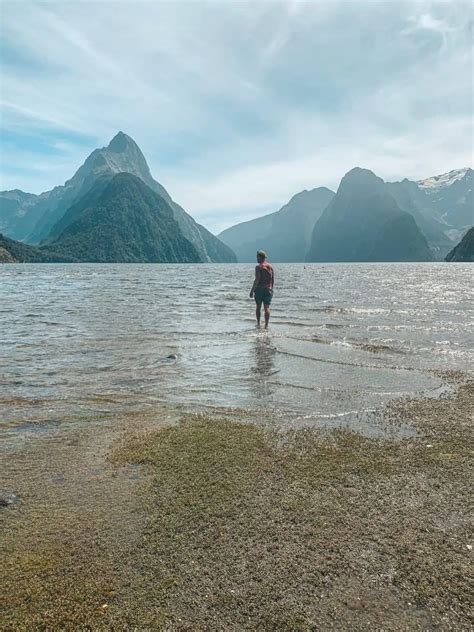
(263, 295)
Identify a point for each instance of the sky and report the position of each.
(237, 106)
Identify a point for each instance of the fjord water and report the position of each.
(86, 340)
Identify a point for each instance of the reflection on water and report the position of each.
(264, 367)
(88, 339)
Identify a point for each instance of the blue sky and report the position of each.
(237, 105)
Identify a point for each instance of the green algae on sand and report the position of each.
(242, 527)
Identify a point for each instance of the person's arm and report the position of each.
(257, 276)
(273, 278)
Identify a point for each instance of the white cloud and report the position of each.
(238, 106)
(266, 187)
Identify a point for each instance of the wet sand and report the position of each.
(205, 523)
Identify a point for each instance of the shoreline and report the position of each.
(211, 522)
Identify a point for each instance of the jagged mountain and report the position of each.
(363, 222)
(464, 251)
(120, 220)
(121, 155)
(451, 196)
(285, 234)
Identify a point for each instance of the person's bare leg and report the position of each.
(267, 316)
(258, 313)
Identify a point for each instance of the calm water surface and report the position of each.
(90, 339)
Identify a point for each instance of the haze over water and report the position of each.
(86, 340)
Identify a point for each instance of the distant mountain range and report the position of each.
(98, 216)
(42, 219)
(286, 234)
(367, 220)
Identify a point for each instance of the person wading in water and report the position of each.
(262, 287)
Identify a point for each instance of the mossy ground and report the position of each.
(233, 526)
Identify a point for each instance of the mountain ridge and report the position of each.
(454, 201)
(442, 180)
(440, 205)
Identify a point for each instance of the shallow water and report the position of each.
(90, 339)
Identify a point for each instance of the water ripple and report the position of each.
(343, 337)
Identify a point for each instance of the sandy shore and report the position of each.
(209, 524)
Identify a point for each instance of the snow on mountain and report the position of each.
(433, 184)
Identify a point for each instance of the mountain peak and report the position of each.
(358, 179)
(359, 173)
(120, 142)
(364, 223)
(306, 196)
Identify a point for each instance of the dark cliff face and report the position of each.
(285, 234)
(40, 219)
(464, 251)
(364, 223)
